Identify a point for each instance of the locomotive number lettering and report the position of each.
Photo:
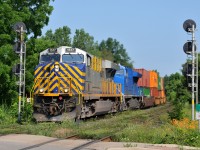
(68, 50)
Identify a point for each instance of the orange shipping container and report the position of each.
(153, 79)
(154, 92)
(161, 93)
(162, 83)
(144, 80)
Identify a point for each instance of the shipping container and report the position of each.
(153, 79)
(145, 91)
(157, 101)
(161, 93)
(144, 80)
(159, 82)
(162, 83)
(154, 92)
(164, 99)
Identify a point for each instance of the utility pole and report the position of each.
(19, 69)
(190, 49)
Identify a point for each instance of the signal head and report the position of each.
(187, 25)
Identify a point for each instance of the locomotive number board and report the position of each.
(70, 50)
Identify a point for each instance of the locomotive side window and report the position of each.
(73, 58)
(50, 58)
(88, 60)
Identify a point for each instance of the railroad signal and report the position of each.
(192, 72)
(19, 69)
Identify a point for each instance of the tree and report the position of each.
(177, 93)
(117, 50)
(61, 36)
(34, 13)
(7, 81)
(83, 40)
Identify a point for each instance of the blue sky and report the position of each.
(150, 30)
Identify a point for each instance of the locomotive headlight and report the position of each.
(41, 90)
(56, 68)
(66, 90)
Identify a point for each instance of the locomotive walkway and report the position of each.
(35, 142)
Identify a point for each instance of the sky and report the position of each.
(151, 31)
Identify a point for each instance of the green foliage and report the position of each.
(7, 85)
(27, 112)
(83, 40)
(61, 36)
(9, 114)
(35, 15)
(177, 93)
(116, 50)
(5, 115)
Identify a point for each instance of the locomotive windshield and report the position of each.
(73, 58)
(50, 58)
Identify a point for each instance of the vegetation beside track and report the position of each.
(146, 126)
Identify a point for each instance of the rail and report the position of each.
(85, 145)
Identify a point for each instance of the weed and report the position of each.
(129, 145)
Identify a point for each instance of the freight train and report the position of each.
(71, 83)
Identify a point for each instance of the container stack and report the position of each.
(151, 85)
(144, 82)
(161, 90)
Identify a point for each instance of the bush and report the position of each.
(5, 115)
(10, 114)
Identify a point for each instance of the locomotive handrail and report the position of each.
(79, 93)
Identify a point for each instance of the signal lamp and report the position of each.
(187, 25)
(187, 48)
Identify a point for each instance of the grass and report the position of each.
(145, 126)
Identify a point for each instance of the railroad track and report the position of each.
(81, 147)
(72, 137)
